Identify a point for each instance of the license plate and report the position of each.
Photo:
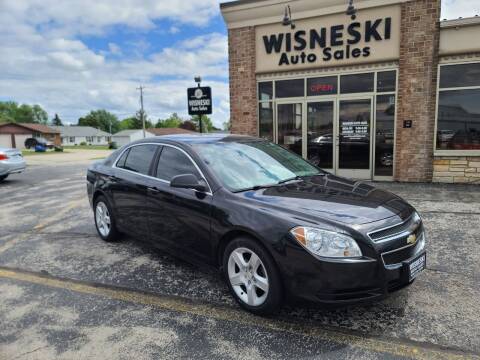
(416, 266)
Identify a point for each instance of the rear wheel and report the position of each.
(104, 220)
(252, 276)
(3, 177)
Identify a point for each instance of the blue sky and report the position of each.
(74, 56)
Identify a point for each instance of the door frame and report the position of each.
(291, 101)
(361, 174)
(324, 99)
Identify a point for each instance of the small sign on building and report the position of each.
(199, 100)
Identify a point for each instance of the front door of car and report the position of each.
(179, 218)
(128, 189)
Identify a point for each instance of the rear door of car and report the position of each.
(128, 188)
(179, 218)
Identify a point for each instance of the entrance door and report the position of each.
(320, 134)
(289, 126)
(354, 152)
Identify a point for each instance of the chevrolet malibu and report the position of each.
(276, 226)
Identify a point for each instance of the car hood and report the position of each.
(332, 198)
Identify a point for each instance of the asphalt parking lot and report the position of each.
(66, 294)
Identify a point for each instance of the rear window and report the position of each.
(138, 158)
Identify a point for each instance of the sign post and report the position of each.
(199, 101)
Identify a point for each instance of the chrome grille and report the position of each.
(395, 231)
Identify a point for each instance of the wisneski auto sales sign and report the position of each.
(199, 100)
(330, 40)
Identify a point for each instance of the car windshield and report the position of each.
(251, 164)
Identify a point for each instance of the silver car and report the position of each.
(11, 162)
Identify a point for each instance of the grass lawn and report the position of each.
(88, 147)
(48, 152)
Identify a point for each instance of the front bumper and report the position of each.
(343, 282)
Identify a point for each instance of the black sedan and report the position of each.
(275, 225)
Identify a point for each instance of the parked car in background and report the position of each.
(32, 143)
(277, 226)
(11, 162)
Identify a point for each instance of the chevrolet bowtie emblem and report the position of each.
(411, 239)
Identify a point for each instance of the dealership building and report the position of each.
(382, 90)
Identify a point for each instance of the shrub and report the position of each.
(112, 145)
(58, 149)
(83, 143)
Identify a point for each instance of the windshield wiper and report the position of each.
(256, 187)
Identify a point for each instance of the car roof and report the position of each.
(199, 138)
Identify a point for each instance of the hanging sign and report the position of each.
(199, 100)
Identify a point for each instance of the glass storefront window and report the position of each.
(320, 133)
(357, 83)
(461, 75)
(386, 81)
(289, 88)
(322, 86)
(458, 122)
(265, 120)
(384, 137)
(290, 126)
(265, 91)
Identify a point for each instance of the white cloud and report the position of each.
(453, 9)
(44, 62)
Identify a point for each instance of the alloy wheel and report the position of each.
(102, 217)
(248, 276)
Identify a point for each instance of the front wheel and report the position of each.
(104, 220)
(252, 276)
(3, 177)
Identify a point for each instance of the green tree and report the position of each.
(207, 124)
(100, 119)
(11, 111)
(135, 122)
(56, 121)
(173, 121)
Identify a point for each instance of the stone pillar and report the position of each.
(420, 34)
(243, 85)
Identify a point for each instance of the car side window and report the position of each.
(138, 159)
(173, 162)
(121, 161)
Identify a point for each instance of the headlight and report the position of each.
(326, 243)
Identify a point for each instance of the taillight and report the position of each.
(3, 157)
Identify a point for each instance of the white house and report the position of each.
(75, 135)
(127, 136)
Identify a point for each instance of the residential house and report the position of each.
(13, 135)
(76, 135)
(127, 136)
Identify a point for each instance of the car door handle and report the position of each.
(153, 189)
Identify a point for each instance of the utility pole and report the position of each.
(141, 109)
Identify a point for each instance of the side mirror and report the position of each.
(188, 181)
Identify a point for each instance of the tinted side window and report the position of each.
(173, 162)
(121, 161)
(139, 158)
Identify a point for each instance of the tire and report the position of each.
(3, 177)
(257, 286)
(105, 220)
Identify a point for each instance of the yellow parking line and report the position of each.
(217, 312)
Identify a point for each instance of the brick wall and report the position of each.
(456, 169)
(418, 62)
(243, 86)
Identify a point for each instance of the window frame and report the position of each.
(155, 164)
(159, 157)
(445, 152)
